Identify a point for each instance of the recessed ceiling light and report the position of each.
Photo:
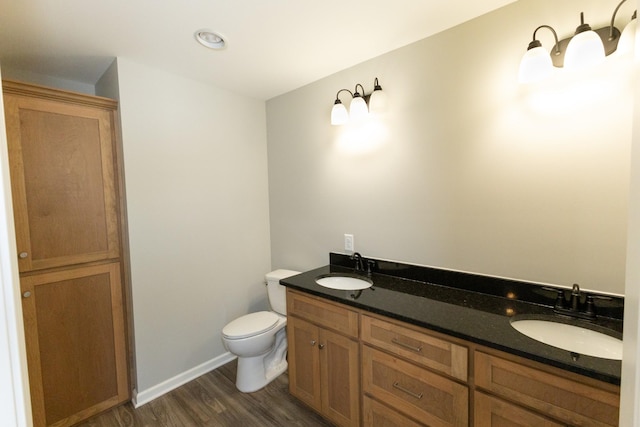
(210, 39)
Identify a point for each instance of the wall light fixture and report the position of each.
(585, 48)
(361, 104)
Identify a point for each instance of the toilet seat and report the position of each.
(250, 325)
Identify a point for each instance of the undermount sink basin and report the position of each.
(344, 282)
(570, 337)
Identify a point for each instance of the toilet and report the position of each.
(260, 339)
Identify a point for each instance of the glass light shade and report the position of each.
(358, 108)
(378, 102)
(627, 41)
(535, 65)
(339, 114)
(585, 49)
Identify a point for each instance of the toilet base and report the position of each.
(255, 379)
(256, 372)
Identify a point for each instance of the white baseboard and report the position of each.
(145, 396)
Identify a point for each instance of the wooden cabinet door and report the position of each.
(304, 362)
(63, 182)
(340, 379)
(74, 328)
(324, 371)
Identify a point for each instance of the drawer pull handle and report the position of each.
(409, 392)
(405, 345)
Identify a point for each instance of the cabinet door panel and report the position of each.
(74, 329)
(304, 376)
(63, 182)
(339, 367)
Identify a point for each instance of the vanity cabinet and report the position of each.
(324, 357)
(411, 376)
(68, 209)
(544, 390)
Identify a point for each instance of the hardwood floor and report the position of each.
(213, 400)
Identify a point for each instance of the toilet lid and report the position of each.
(250, 324)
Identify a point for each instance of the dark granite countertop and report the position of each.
(471, 307)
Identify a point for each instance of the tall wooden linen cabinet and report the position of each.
(68, 207)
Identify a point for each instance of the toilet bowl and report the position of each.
(259, 339)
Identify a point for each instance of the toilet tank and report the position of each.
(276, 292)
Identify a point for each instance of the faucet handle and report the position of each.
(371, 265)
(590, 310)
(559, 296)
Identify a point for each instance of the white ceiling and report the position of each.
(273, 46)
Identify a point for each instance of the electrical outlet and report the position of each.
(348, 243)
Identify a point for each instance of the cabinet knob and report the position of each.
(23, 255)
(321, 346)
(313, 342)
(27, 294)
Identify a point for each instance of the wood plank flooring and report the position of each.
(213, 400)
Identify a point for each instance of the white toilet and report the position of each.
(260, 339)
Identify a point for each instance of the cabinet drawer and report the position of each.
(428, 397)
(490, 411)
(328, 315)
(378, 415)
(434, 353)
(567, 400)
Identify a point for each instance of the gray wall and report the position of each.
(467, 170)
(196, 180)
